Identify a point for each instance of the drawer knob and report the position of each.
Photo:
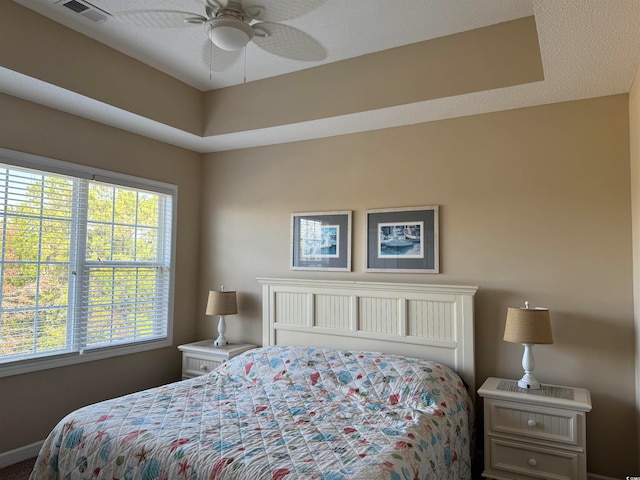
(532, 462)
(203, 368)
(532, 423)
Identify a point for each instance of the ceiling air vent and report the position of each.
(85, 9)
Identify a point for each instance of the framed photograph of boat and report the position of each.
(403, 240)
(321, 241)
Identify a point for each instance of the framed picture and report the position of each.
(402, 240)
(321, 241)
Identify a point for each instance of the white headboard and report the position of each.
(422, 321)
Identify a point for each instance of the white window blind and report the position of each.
(85, 265)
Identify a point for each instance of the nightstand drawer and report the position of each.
(195, 365)
(530, 421)
(535, 462)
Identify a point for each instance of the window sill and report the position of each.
(61, 360)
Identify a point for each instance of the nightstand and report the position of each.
(202, 357)
(534, 433)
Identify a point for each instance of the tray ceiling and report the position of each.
(589, 48)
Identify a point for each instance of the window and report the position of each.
(85, 263)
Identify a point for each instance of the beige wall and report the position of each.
(535, 205)
(40, 48)
(32, 404)
(634, 141)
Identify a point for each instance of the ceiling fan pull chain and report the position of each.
(211, 63)
(245, 64)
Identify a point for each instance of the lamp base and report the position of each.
(529, 382)
(222, 327)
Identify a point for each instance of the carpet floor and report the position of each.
(17, 471)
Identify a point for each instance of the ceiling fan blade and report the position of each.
(158, 18)
(212, 6)
(278, 10)
(217, 59)
(288, 42)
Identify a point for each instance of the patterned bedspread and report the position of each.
(276, 413)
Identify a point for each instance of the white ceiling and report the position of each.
(589, 48)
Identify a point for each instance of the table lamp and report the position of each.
(528, 326)
(221, 303)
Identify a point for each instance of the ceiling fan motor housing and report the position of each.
(229, 33)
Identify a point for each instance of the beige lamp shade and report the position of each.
(528, 325)
(222, 303)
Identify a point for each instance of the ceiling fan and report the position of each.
(231, 24)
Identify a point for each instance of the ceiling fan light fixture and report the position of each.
(229, 33)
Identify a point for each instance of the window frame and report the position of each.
(49, 165)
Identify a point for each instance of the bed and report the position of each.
(290, 410)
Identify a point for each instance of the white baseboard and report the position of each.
(19, 454)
